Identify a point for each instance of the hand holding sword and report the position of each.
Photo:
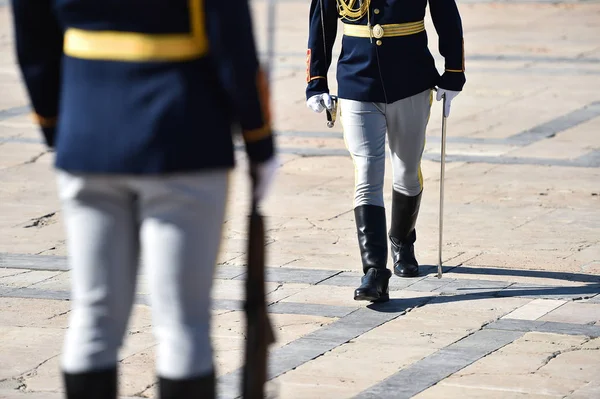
(327, 102)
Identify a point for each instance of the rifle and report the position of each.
(259, 333)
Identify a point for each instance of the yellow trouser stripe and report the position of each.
(131, 46)
(389, 30)
(257, 134)
(44, 121)
(421, 182)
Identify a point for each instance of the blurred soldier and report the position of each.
(385, 77)
(131, 94)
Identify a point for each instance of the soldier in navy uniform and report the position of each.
(139, 100)
(385, 76)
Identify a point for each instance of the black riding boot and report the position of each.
(91, 385)
(372, 241)
(202, 387)
(405, 211)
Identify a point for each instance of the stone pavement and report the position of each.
(517, 313)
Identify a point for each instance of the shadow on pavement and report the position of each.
(480, 291)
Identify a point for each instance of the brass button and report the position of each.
(378, 42)
(376, 11)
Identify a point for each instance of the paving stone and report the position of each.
(505, 361)
(588, 391)
(347, 361)
(526, 355)
(217, 304)
(527, 384)
(294, 385)
(229, 272)
(27, 279)
(539, 343)
(427, 372)
(543, 326)
(33, 262)
(545, 292)
(431, 284)
(290, 327)
(470, 287)
(480, 304)
(347, 279)
(235, 289)
(332, 295)
(281, 360)
(578, 313)
(16, 394)
(310, 309)
(60, 282)
(11, 272)
(137, 372)
(353, 325)
(40, 294)
(344, 280)
(572, 329)
(289, 275)
(24, 348)
(33, 312)
(531, 277)
(516, 325)
(535, 309)
(285, 290)
(446, 391)
(578, 365)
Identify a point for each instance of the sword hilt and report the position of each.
(332, 114)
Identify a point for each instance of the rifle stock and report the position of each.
(259, 331)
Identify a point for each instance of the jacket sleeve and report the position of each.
(318, 55)
(448, 25)
(230, 25)
(39, 42)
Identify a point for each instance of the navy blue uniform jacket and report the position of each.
(143, 86)
(389, 68)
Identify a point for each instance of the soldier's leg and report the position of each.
(101, 231)
(407, 123)
(182, 218)
(364, 132)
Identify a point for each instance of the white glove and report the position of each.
(265, 174)
(450, 94)
(319, 102)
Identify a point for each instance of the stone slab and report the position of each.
(589, 391)
(545, 326)
(427, 372)
(535, 309)
(218, 304)
(290, 275)
(33, 262)
(578, 313)
(545, 292)
(310, 309)
(557, 125)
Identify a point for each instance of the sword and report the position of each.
(331, 114)
(270, 39)
(442, 172)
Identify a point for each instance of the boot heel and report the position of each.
(382, 298)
